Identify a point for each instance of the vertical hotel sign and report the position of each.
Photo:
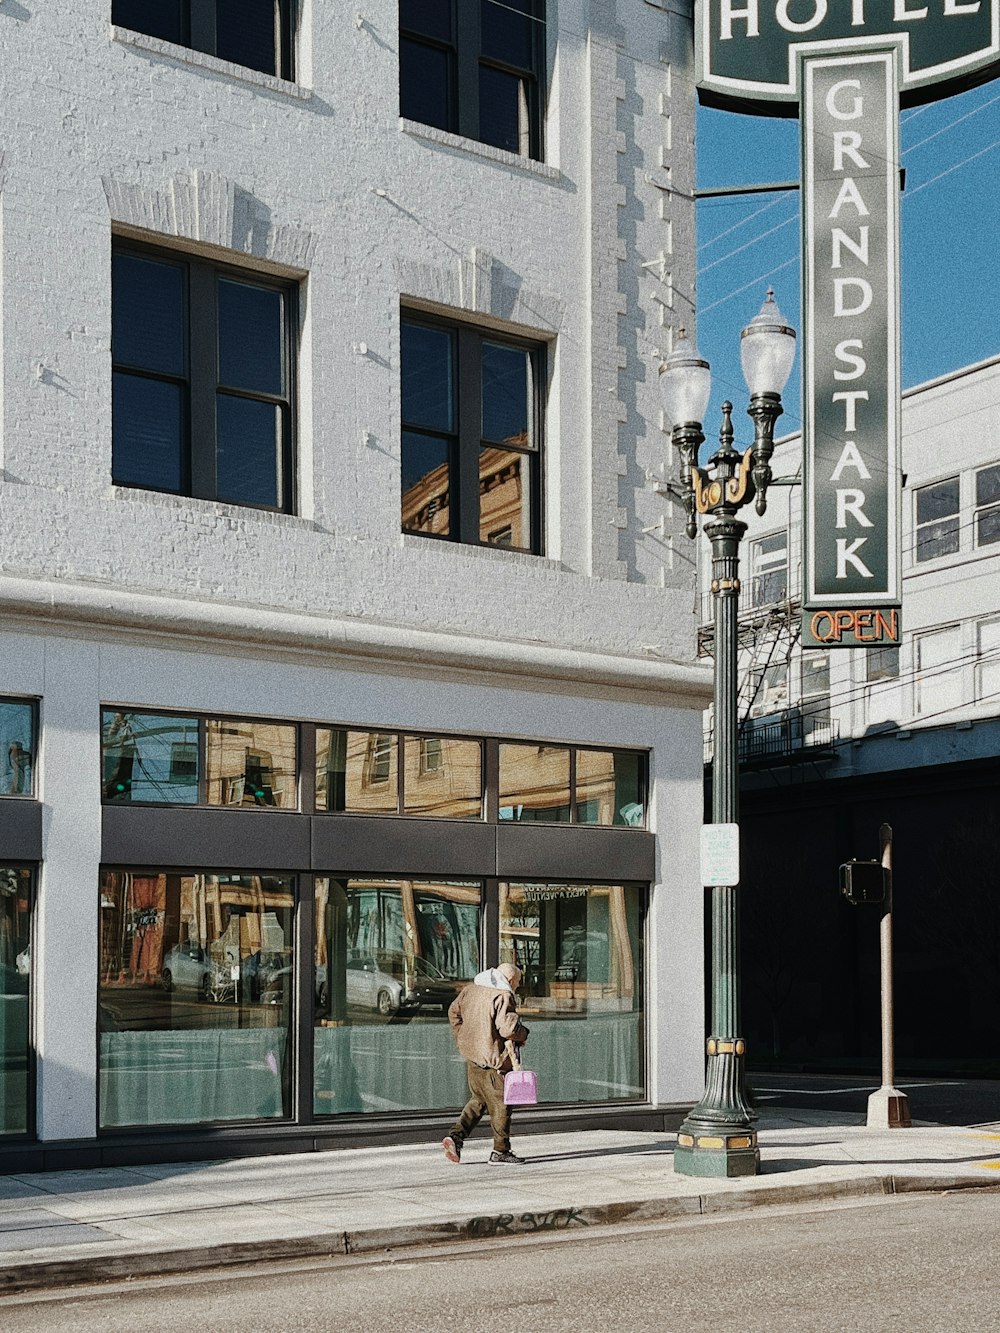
(845, 65)
(850, 289)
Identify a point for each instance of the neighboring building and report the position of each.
(835, 743)
(342, 649)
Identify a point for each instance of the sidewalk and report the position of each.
(82, 1226)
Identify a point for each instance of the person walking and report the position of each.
(483, 1019)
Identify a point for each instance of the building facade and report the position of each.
(342, 650)
(835, 743)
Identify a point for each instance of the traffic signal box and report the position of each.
(862, 882)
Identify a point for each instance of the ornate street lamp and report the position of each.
(718, 1138)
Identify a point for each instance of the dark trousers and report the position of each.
(486, 1087)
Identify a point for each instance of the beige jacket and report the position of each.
(482, 1020)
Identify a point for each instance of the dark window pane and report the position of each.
(503, 111)
(507, 395)
(147, 433)
(507, 36)
(15, 999)
(17, 748)
(937, 539)
(988, 527)
(148, 314)
(425, 84)
(428, 386)
(505, 498)
(937, 501)
(610, 787)
(988, 486)
(248, 457)
(251, 328)
(245, 33)
(432, 18)
(156, 18)
(426, 484)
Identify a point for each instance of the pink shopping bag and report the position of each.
(520, 1086)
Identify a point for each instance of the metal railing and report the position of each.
(794, 736)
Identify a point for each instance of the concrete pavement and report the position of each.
(77, 1226)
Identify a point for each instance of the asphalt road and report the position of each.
(905, 1263)
(940, 1101)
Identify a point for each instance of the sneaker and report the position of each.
(452, 1149)
(505, 1159)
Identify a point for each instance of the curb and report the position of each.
(15, 1278)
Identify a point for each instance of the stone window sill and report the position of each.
(500, 155)
(201, 60)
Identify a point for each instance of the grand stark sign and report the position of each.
(845, 66)
(747, 49)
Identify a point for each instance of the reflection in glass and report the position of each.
(15, 998)
(195, 997)
(508, 395)
(505, 499)
(147, 433)
(17, 747)
(357, 771)
(150, 757)
(504, 120)
(426, 360)
(426, 484)
(390, 957)
(248, 451)
(610, 787)
(250, 763)
(534, 783)
(443, 777)
(425, 84)
(579, 948)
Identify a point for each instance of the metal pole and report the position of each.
(888, 1108)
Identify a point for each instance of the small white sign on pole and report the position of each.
(720, 855)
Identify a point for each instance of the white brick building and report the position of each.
(215, 264)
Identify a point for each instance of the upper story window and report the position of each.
(881, 662)
(473, 67)
(937, 523)
(938, 681)
(988, 661)
(255, 33)
(471, 409)
(988, 505)
(202, 394)
(17, 747)
(769, 569)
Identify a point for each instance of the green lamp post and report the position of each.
(718, 1138)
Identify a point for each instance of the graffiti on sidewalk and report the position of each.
(507, 1224)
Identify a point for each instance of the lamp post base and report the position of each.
(719, 1155)
(888, 1108)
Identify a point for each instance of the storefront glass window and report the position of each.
(250, 763)
(150, 758)
(391, 954)
(195, 997)
(579, 947)
(15, 990)
(357, 771)
(610, 787)
(17, 748)
(534, 783)
(442, 777)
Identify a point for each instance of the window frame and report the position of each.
(199, 32)
(466, 441)
(201, 383)
(919, 528)
(766, 565)
(465, 61)
(980, 510)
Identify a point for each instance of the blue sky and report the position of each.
(950, 221)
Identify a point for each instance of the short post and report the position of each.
(888, 1108)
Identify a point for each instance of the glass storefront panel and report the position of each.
(534, 783)
(250, 763)
(610, 787)
(357, 771)
(15, 990)
(391, 954)
(579, 947)
(195, 997)
(442, 777)
(150, 757)
(17, 747)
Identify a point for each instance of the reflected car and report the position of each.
(186, 967)
(386, 983)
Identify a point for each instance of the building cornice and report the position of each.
(40, 604)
